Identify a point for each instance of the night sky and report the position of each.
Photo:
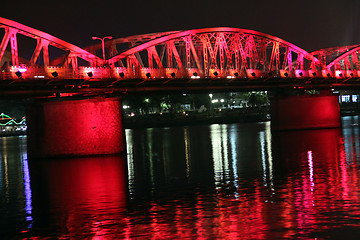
(309, 24)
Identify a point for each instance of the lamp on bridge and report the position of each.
(102, 43)
(195, 74)
(148, 75)
(54, 74)
(90, 74)
(121, 74)
(173, 74)
(236, 74)
(18, 74)
(215, 74)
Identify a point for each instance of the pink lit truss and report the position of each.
(43, 41)
(116, 46)
(199, 53)
(341, 62)
(214, 52)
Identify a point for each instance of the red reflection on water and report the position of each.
(324, 189)
(316, 181)
(317, 185)
(82, 194)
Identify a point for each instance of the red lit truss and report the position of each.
(201, 53)
(215, 51)
(44, 40)
(340, 62)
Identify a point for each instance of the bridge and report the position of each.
(35, 63)
(224, 58)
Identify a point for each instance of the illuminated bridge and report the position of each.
(34, 63)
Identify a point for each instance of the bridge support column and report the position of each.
(305, 111)
(69, 128)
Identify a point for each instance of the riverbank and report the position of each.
(244, 115)
(12, 133)
(195, 118)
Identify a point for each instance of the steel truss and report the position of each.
(199, 53)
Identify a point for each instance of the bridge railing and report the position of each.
(119, 73)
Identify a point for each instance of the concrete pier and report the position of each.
(305, 111)
(72, 128)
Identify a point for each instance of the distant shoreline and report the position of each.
(225, 117)
(158, 121)
(12, 133)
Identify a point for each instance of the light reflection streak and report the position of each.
(233, 142)
(224, 149)
(216, 152)
(6, 168)
(28, 193)
(128, 229)
(219, 143)
(269, 153)
(187, 151)
(311, 170)
(27, 181)
(344, 176)
(200, 220)
(130, 160)
(263, 156)
(266, 156)
(152, 169)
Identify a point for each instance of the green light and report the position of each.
(11, 120)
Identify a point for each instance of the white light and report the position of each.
(126, 107)
(215, 101)
(39, 76)
(222, 100)
(230, 77)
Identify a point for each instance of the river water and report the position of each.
(221, 181)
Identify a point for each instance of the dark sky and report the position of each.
(309, 24)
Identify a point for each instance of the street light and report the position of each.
(102, 43)
(211, 102)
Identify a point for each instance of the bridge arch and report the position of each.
(347, 60)
(215, 52)
(44, 40)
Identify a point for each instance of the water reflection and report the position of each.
(15, 189)
(230, 181)
(78, 197)
(266, 185)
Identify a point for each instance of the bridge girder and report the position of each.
(223, 51)
(199, 53)
(44, 40)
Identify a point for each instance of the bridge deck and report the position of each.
(49, 87)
